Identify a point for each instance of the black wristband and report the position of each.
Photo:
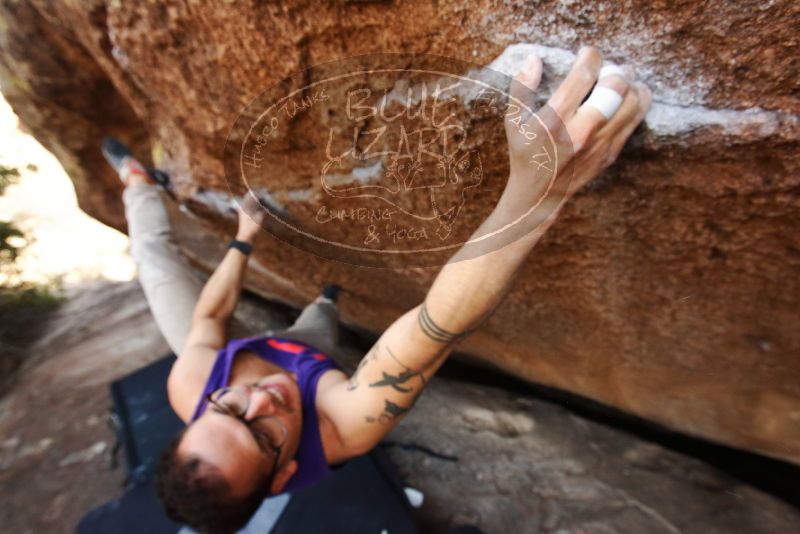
(241, 246)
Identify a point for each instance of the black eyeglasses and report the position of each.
(270, 434)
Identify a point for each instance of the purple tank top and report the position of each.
(309, 365)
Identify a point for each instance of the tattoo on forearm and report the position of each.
(432, 330)
(397, 382)
(391, 411)
(352, 383)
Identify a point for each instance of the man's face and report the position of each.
(229, 445)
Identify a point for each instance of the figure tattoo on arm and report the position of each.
(391, 411)
(396, 381)
(353, 383)
(405, 381)
(399, 383)
(402, 382)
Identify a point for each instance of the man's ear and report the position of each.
(283, 476)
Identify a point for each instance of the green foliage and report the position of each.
(24, 307)
(8, 250)
(8, 176)
(36, 297)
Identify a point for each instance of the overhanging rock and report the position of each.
(669, 288)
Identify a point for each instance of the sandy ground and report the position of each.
(67, 244)
(56, 442)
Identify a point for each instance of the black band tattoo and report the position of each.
(432, 330)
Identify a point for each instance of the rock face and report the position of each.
(669, 288)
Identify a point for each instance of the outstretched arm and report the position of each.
(474, 282)
(213, 310)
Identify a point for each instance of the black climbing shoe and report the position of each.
(162, 179)
(331, 292)
(115, 153)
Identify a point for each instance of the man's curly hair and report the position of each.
(196, 494)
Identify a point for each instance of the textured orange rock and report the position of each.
(670, 288)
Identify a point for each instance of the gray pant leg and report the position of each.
(170, 285)
(318, 325)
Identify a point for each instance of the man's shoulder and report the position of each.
(188, 378)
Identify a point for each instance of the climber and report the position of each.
(272, 412)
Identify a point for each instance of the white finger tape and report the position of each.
(610, 69)
(415, 497)
(604, 100)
